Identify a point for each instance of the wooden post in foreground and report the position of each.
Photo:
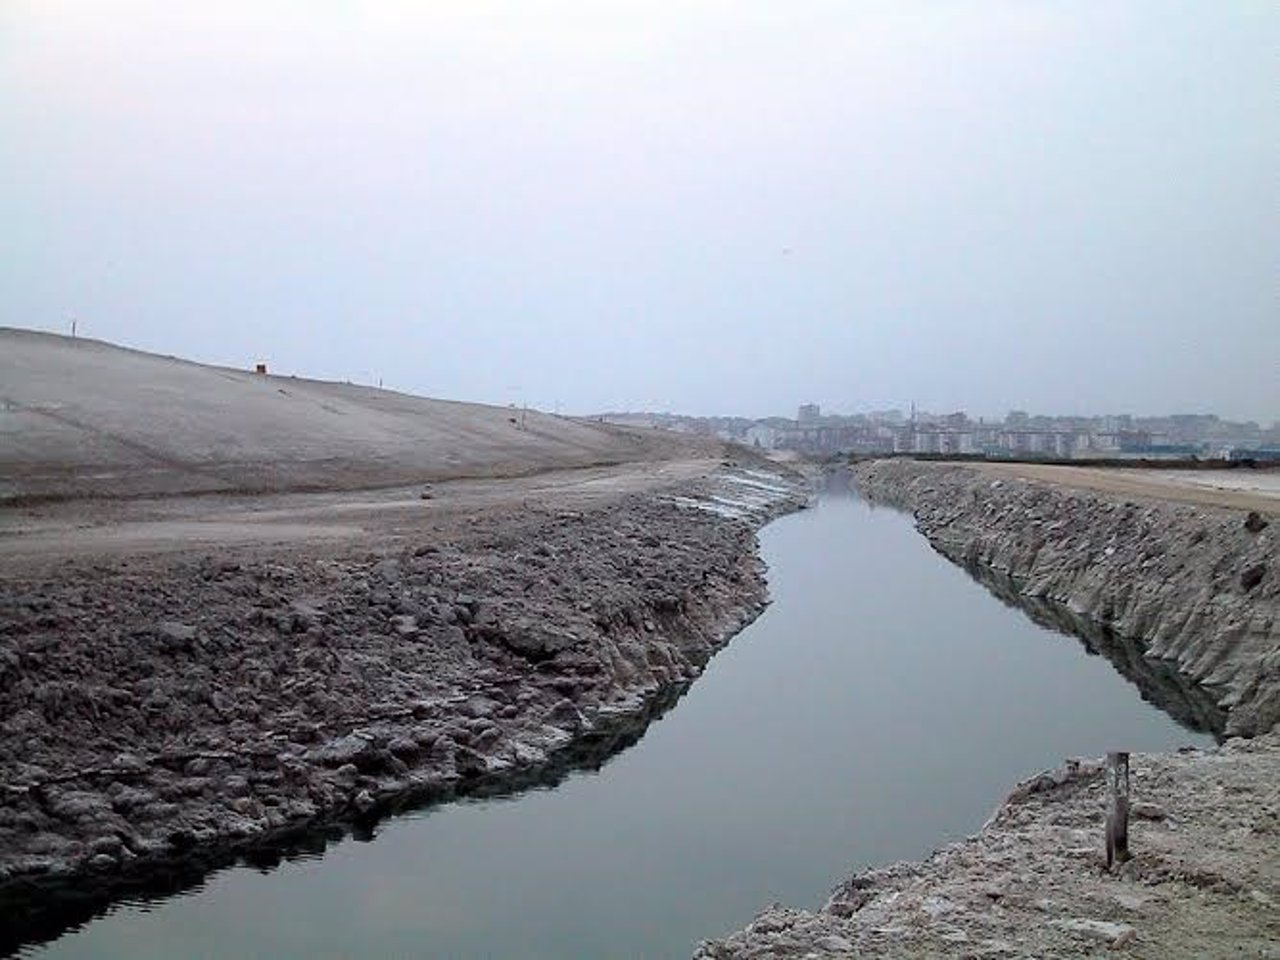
(1118, 816)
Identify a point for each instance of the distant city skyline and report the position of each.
(696, 207)
(994, 416)
(1019, 434)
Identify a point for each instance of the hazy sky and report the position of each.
(703, 207)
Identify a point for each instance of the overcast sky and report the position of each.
(704, 207)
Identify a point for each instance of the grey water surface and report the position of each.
(881, 706)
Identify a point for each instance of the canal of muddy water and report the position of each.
(880, 707)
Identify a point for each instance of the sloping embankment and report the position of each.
(1193, 586)
(82, 418)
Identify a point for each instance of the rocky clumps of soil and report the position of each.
(161, 706)
(1204, 880)
(1199, 588)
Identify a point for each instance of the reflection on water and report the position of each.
(36, 915)
(881, 705)
(1158, 681)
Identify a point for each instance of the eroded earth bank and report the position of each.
(1192, 588)
(165, 708)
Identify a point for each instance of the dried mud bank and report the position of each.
(170, 711)
(1165, 592)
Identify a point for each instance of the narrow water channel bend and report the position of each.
(881, 706)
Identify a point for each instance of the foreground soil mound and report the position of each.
(1203, 881)
(84, 418)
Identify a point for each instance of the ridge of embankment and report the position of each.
(163, 716)
(1205, 876)
(84, 418)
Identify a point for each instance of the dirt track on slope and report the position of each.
(48, 533)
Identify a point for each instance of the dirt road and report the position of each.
(1232, 489)
(47, 533)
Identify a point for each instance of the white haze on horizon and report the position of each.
(703, 207)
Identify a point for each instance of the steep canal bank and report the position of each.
(1198, 587)
(1183, 599)
(166, 713)
(810, 743)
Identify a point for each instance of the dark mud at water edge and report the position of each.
(882, 705)
(76, 902)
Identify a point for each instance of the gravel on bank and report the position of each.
(160, 711)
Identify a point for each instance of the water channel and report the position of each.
(881, 706)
